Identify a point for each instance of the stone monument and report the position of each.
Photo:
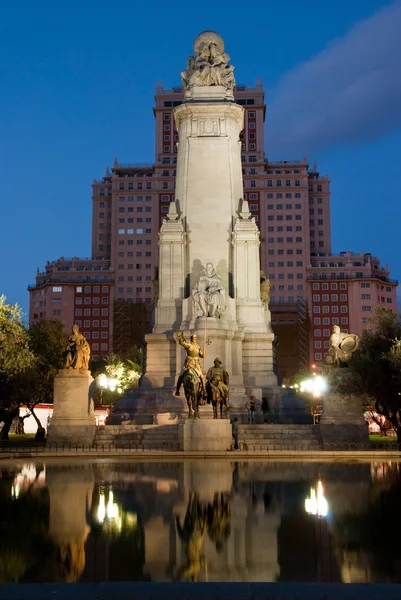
(209, 266)
(73, 419)
(342, 421)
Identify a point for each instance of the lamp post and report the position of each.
(108, 383)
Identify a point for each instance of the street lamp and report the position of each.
(315, 386)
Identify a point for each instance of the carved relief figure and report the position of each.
(209, 294)
(342, 347)
(77, 351)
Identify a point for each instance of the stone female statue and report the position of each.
(77, 351)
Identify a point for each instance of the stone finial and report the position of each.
(244, 211)
(172, 214)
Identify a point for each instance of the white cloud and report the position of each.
(349, 92)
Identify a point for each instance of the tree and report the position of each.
(118, 372)
(47, 340)
(375, 369)
(16, 358)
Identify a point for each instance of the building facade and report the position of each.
(77, 290)
(344, 290)
(290, 202)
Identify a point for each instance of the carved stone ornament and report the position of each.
(209, 66)
(208, 294)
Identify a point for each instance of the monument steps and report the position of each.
(279, 437)
(148, 436)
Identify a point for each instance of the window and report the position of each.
(315, 286)
(57, 288)
(365, 296)
(317, 332)
(366, 308)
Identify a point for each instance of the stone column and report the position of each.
(73, 419)
(253, 317)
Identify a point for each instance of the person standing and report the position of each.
(234, 425)
(251, 407)
(265, 409)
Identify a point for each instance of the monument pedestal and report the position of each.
(73, 419)
(342, 420)
(208, 435)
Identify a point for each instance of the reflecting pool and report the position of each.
(199, 520)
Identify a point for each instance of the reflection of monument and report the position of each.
(209, 265)
(70, 493)
(73, 419)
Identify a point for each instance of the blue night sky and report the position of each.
(78, 80)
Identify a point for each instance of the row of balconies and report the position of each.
(66, 281)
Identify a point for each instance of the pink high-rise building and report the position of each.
(291, 204)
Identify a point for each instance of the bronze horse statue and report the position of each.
(193, 393)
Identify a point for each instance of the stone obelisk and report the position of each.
(209, 266)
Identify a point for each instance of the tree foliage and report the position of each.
(375, 369)
(15, 354)
(122, 372)
(29, 361)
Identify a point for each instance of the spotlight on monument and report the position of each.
(315, 386)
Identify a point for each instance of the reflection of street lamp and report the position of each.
(317, 504)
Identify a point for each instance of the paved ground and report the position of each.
(198, 591)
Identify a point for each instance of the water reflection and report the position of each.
(200, 521)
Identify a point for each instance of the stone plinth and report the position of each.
(342, 421)
(141, 406)
(73, 419)
(208, 435)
